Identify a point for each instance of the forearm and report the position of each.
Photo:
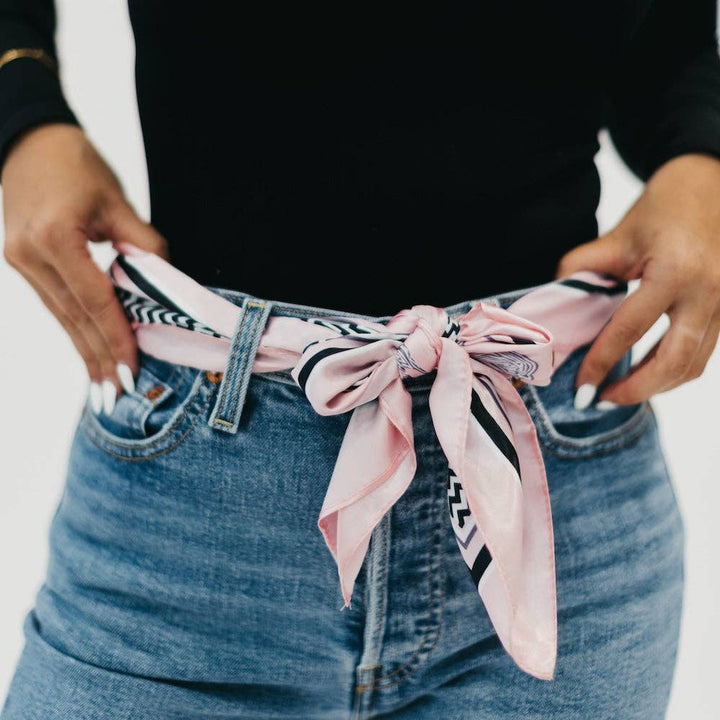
(30, 92)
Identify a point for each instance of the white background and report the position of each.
(43, 381)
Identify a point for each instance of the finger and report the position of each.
(633, 318)
(109, 388)
(38, 280)
(123, 225)
(703, 355)
(669, 361)
(69, 255)
(26, 258)
(103, 390)
(106, 390)
(608, 253)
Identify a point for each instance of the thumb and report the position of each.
(605, 254)
(124, 225)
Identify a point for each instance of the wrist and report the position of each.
(686, 189)
(689, 164)
(50, 130)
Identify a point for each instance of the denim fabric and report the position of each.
(187, 577)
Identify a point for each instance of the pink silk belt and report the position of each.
(499, 500)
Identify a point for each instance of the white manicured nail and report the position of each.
(584, 395)
(126, 379)
(606, 405)
(96, 400)
(109, 393)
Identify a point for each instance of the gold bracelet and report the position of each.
(36, 53)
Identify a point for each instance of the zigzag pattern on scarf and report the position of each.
(145, 311)
(465, 529)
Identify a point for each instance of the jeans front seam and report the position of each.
(376, 589)
(436, 596)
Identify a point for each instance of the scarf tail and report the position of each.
(499, 506)
(375, 465)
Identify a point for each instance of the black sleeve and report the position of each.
(30, 92)
(663, 94)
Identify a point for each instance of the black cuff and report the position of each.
(691, 130)
(30, 94)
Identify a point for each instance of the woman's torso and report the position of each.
(371, 158)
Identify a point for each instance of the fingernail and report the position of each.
(126, 378)
(584, 395)
(96, 400)
(109, 392)
(606, 405)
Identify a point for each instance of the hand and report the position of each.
(670, 239)
(58, 193)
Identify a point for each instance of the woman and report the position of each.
(360, 162)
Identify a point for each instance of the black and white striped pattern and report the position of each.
(470, 541)
(143, 310)
(342, 327)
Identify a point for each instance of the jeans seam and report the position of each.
(435, 604)
(376, 590)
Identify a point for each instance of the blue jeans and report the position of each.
(187, 577)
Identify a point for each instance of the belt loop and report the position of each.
(236, 378)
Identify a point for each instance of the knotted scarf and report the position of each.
(498, 497)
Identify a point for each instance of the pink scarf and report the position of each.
(498, 495)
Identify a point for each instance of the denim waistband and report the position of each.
(237, 297)
(257, 310)
(147, 285)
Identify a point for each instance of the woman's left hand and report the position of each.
(670, 239)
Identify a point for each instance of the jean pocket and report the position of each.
(157, 416)
(566, 431)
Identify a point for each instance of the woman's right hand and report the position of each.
(58, 193)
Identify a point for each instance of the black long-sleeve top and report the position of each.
(317, 153)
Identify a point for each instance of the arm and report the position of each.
(663, 89)
(58, 193)
(30, 92)
(664, 118)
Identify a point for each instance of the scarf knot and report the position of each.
(420, 352)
